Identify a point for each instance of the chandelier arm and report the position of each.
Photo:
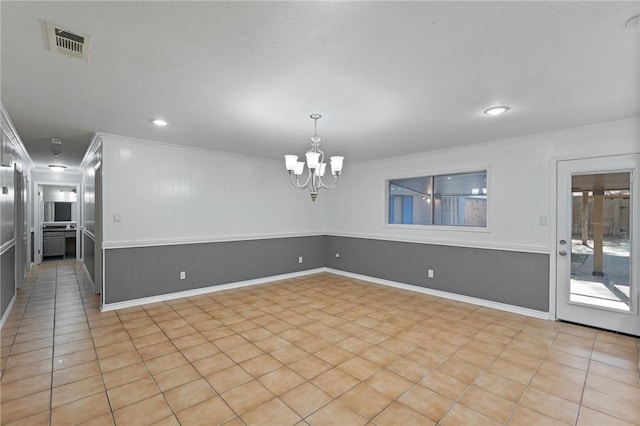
(308, 181)
(331, 186)
(317, 183)
(297, 183)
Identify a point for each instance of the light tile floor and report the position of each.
(322, 349)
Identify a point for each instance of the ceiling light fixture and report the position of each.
(316, 165)
(497, 110)
(56, 151)
(57, 168)
(56, 147)
(632, 22)
(159, 122)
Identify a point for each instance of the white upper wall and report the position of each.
(53, 178)
(59, 193)
(521, 187)
(171, 194)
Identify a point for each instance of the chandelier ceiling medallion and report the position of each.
(315, 164)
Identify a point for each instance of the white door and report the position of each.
(597, 242)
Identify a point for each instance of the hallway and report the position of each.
(51, 311)
(320, 349)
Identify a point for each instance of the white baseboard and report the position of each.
(446, 295)
(205, 290)
(8, 311)
(93, 284)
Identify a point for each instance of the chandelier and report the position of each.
(315, 164)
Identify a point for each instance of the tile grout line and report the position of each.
(13, 342)
(519, 403)
(174, 413)
(84, 307)
(190, 363)
(384, 368)
(13, 338)
(306, 380)
(26, 305)
(586, 377)
(53, 348)
(475, 379)
(282, 316)
(163, 331)
(82, 302)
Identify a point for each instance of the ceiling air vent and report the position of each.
(67, 42)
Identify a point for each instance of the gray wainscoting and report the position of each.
(89, 255)
(8, 278)
(133, 273)
(514, 278)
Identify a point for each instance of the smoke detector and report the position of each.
(67, 42)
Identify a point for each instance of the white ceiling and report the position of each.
(390, 78)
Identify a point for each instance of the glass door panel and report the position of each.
(600, 242)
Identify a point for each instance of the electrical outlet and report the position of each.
(300, 259)
(183, 275)
(430, 273)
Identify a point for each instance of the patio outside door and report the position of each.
(597, 243)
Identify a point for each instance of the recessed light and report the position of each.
(57, 168)
(497, 110)
(159, 122)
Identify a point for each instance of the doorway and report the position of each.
(597, 243)
(57, 220)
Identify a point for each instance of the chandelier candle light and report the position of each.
(315, 164)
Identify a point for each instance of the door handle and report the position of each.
(562, 252)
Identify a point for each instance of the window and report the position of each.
(451, 200)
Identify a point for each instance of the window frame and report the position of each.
(444, 172)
